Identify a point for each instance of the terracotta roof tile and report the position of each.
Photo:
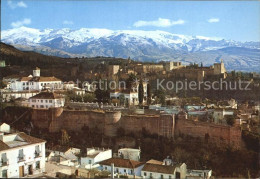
(46, 95)
(149, 167)
(40, 79)
(124, 163)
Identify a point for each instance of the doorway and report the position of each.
(30, 169)
(21, 171)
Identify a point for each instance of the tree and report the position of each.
(130, 81)
(122, 99)
(65, 138)
(141, 92)
(89, 97)
(160, 96)
(230, 120)
(149, 95)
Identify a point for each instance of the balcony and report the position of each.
(37, 154)
(4, 163)
(21, 158)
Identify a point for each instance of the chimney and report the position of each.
(112, 170)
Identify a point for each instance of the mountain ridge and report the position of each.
(137, 44)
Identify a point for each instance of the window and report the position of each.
(46, 106)
(34, 101)
(50, 101)
(41, 106)
(46, 101)
(37, 151)
(38, 165)
(170, 176)
(89, 162)
(20, 155)
(23, 83)
(27, 83)
(125, 170)
(105, 168)
(4, 173)
(33, 106)
(161, 176)
(4, 159)
(41, 101)
(144, 173)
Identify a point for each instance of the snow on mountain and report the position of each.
(138, 44)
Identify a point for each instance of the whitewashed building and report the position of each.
(122, 166)
(46, 100)
(36, 82)
(63, 155)
(21, 155)
(129, 153)
(94, 156)
(157, 169)
(4, 128)
(195, 174)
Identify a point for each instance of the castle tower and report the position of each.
(36, 72)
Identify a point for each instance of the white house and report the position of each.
(156, 169)
(45, 100)
(129, 153)
(36, 82)
(94, 156)
(130, 97)
(122, 166)
(64, 155)
(195, 174)
(219, 114)
(4, 128)
(8, 95)
(21, 155)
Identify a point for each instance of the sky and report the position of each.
(231, 20)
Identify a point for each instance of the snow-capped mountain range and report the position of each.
(138, 44)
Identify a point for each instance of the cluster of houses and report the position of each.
(23, 156)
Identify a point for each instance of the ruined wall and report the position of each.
(217, 133)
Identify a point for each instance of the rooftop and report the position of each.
(158, 168)
(119, 162)
(17, 139)
(47, 95)
(39, 79)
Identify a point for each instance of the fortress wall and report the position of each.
(109, 122)
(217, 133)
(162, 125)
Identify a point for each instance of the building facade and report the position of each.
(46, 100)
(21, 155)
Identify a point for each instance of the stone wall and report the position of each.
(217, 133)
(108, 122)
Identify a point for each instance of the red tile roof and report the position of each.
(149, 167)
(46, 95)
(40, 79)
(119, 162)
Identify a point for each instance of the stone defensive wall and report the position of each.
(73, 120)
(55, 119)
(215, 132)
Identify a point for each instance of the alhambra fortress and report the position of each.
(166, 125)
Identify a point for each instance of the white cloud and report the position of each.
(67, 22)
(21, 4)
(213, 20)
(25, 21)
(159, 23)
(15, 5)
